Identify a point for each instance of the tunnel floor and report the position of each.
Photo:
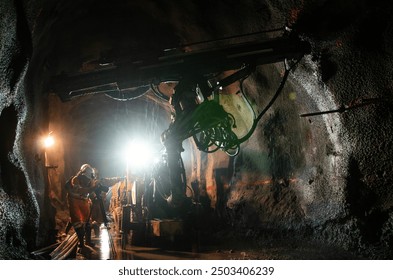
(226, 250)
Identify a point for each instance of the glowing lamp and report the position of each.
(49, 141)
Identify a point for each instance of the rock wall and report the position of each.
(20, 195)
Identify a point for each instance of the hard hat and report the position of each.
(87, 170)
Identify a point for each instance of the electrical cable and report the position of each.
(211, 122)
(273, 99)
(211, 126)
(192, 191)
(127, 94)
(156, 182)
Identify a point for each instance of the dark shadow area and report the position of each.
(12, 178)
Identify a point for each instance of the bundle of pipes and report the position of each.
(40, 253)
(58, 250)
(65, 248)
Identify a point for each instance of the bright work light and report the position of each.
(138, 154)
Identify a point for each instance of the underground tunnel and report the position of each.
(264, 128)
